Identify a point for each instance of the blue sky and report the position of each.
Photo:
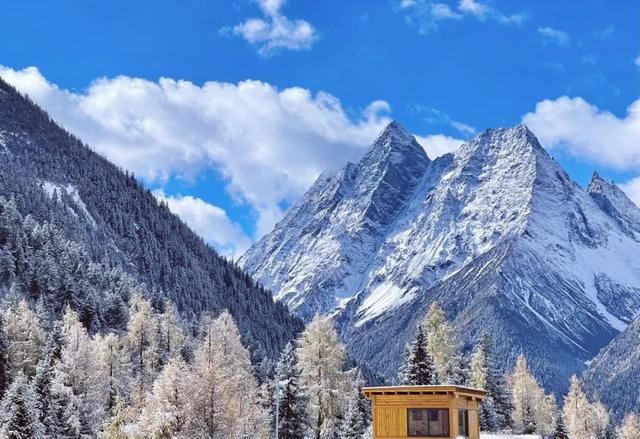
(230, 154)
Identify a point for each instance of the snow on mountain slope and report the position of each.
(333, 230)
(73, 202)
(497, 232)
(616, 204)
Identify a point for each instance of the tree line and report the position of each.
(515, 401)
(162, 378)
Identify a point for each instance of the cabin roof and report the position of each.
(425, 390)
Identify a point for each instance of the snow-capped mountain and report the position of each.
(497, 232)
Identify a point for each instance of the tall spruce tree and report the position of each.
(291, 401)
(18, 414)
(358, 414)
(560, 427)
(497, 387)
(418, 368)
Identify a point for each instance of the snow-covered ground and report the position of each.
(508, 436)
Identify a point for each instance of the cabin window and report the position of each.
(428, 422)
(463, 423)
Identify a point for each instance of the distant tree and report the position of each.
(418, 368)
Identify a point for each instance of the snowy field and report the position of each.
(508, 436)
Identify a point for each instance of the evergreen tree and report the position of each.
(358, 413)
(560, 428)
(460, 373)
(18, 412)
(488, 418)
(496, 387)
(292, 403)
(418, 368)
(46, 403)
(529, 421)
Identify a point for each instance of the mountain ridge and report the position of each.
(52, 176)
(502, 221)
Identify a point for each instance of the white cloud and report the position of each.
(437, 145)
(427, 14)
(638, 61)
(210, 222)
(592, 135)
(434, 116)
(632, 188)
(551, 35)
(605, 33)
(268, 144)
(275, 31)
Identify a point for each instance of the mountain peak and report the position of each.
(597, 184)
(396, 143)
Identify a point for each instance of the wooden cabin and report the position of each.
(447, 411)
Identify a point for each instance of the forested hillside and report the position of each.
(77, 230)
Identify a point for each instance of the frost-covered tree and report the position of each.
(46, 403)
(630, 427)
(479, 367)
(533, 410)
(164, 414)
(488, 418)
(496, 386)
(222, 389)
(460, 373)
(357, 418)
(18, 412)
(77, 383)
(441, 343)
(139, 343)
(292, 403)
(113, 366)
(321, 357)
(418, 368)
(577, 410)
(25, 337)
